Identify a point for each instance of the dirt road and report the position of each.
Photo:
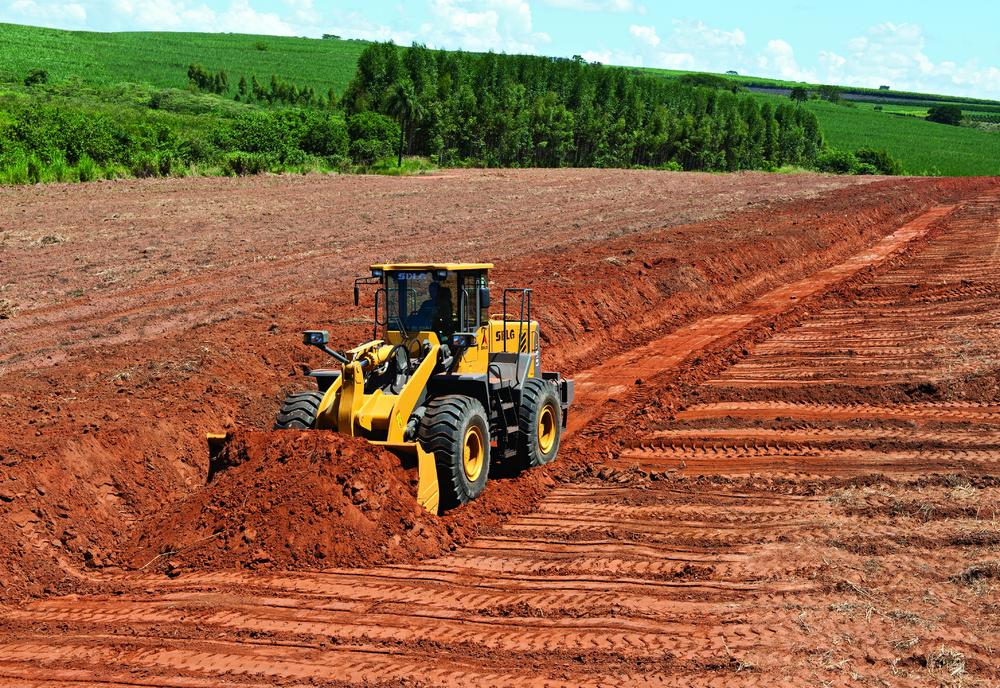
(789, 483)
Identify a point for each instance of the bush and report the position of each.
(15, 170)
(708, 81)
(799, 94)
(256, 132)
(829, 93)
(411, 165)
(58, 170)
(34, 168)
(945, 114)
(196, 148)
(836, 161)
(880, 160)
(373, 136)
(325, 135)
(866, 168)
(152, 164)
(36, 76)
(87, 170)
(189, 103)
(241, 163)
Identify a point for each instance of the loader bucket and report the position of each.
(428, 492)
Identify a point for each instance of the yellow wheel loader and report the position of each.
(441, 380)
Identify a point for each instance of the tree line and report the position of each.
(519, 110)
(455, 108)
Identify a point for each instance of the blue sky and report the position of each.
(949, 48)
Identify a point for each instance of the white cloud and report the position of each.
(689, 45)
(49, 13)
(304, 13)
(597, 5)
(239, 17)
(355, 25)
(504, 25)
(694, 35)
(646, 34)
(613, 57)
(778, 59)
(895, 54)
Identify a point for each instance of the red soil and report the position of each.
(671, 564)
(109, 393)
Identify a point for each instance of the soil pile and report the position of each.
(294, 499)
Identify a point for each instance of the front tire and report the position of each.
(456, 430)
(299, 411)
(539, 423)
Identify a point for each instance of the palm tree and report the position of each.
(402, 102)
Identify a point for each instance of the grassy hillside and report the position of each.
(923, 147)
(162, 58)
(874, 93)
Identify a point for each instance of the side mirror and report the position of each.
(318, 338)
(484, 297)
(357, 295)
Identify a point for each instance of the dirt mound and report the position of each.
(294, 499)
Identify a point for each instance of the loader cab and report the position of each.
(446, 299)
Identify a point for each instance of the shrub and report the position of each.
(830, 93)
(241, 163)
(799, 94)
(34, 169)
(144, 165)
(373, 136)
(87, 170)
(36, 76)
(866, 168)
(15, 171)
(325, 135)
(115, 170)
(945, 114)
(256, 132)
(879, 159)
(836, 161)
(58, 170)
(708, 81)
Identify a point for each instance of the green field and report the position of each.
(162, 58)
(924, 148)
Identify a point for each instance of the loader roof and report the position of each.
(432, 266)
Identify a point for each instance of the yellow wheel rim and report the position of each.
(546, 429)
(473, 454)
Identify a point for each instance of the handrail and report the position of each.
(524, 319)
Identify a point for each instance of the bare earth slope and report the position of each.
(783, 469)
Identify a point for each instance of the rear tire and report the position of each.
(299, 411)
(539, 423)
(456, 430)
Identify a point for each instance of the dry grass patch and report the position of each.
(7, 309)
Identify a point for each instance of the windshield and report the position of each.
(435, 301)
(418, 301)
